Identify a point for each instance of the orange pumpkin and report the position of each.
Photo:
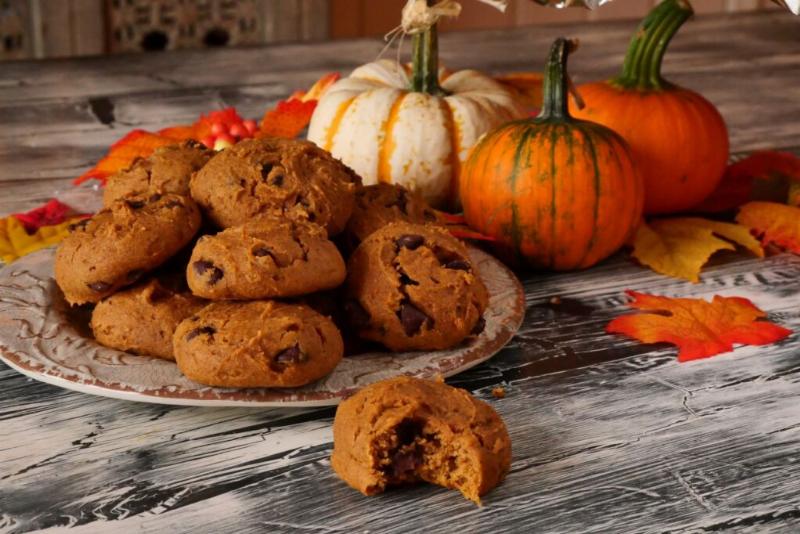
(678, 137)
(555, 192)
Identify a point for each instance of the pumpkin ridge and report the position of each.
(455, 142)
(388, 145)
(591, 149)
(554, 135)
(527, 136)
(337, 120)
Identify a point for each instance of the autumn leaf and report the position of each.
(764, 175)
(137, 144)
(287, 119)
(700, 329)
(291, 116)
(775, 224)
(680, 247)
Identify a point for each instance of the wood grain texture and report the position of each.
(608, 435)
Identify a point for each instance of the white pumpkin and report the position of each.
(387, 133)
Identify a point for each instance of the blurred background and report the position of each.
(65, 28)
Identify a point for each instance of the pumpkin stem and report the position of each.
(642, 67)
(425, 61)
(556, 83)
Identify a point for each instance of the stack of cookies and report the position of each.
(233, 264)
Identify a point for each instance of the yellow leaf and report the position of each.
(680, 247)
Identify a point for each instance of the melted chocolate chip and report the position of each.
(174, 204)
(206, 330)
(135, 204)
(155, 197)
(191, 143)
(291, 355)
(99, 287)
(203, 266)
(410, 241)
(402, 201)
(412, 318)
(407, 280)
(457, 265)
(406, 462)
(134, 275)
(408, 430)
(265, 169)
(356, 314)
(277, 180)
(479, 326)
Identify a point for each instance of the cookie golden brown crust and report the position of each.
(167, 170)
(143, 318)
(256, 344)
(380, 204)
(278, 176)
(414, 287)
(266, 258)
(404, 430)
(121, 243)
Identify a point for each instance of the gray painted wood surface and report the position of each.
(608, 435)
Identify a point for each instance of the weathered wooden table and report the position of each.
(608, 435)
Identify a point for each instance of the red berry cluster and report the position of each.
(226, 135)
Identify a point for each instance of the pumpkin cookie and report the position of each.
(413, 287)
(142, 319)
(266, 258)
(279, 176)
(405, 430)
(167, 170)
(257, 344)
(121, 243)
(380, 204)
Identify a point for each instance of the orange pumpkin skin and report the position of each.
(557, 193)
(678, 138)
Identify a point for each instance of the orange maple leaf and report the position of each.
(680, 246)
(699, 328)
(291, 116)
(764, 175)
(137, 144)
(774, 223)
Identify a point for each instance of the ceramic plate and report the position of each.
(45, 339)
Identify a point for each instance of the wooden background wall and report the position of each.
(62, 28)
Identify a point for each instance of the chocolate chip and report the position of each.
(406, 462)
(407, 280)
(134, 275)
(191, 143)
(412, 318)
(78, 225)
(479, 326)
(203, 266)
(277, 180)
(265, 169)
(356, 314)
(458, 265)
(174, 204)
(402, 201)
(429, 215)
(408, 430)
(207, 330)
(155, 197)
(135, 204)
(262, 251)
(99, 287)
(410, 241)
(291, 355)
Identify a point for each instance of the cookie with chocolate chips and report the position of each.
(276, 176)
(380, 204)
(405, 430)
(121, 243)
(414, 287)
(142, 319)
(167, 170)
(257, 344)
(267, 258)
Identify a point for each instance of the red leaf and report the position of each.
(699, 328)
(54, 212)
(137, 144)
(751, 179)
